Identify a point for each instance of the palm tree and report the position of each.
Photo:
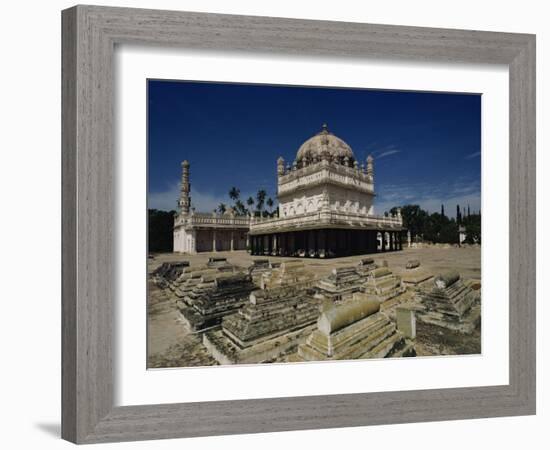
(239, 207)
(270, 204)
(250, 202)
(260, 199)
(234, 193)
(222, 208)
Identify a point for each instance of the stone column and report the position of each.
(321, 248)
(232, 245)
(193, 248)
(316, 243)
(308, 242)
(214, 249)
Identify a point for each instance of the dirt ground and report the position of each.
(171, 344)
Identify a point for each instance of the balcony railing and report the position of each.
(210, 220)
(324, 218)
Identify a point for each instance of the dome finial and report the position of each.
(324, 127)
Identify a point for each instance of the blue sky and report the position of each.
(426, 146)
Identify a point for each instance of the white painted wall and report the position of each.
(30, 333)
(185, 241)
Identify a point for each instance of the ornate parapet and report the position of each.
(325, 219)
(325, 172)
(203, 220)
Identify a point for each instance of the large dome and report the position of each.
(324, 143)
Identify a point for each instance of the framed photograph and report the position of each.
(277, 224)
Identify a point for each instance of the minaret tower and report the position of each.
(280, 166)
(370, 168)
(185, 200)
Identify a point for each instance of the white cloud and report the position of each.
(472, 155)
(168, 199)
(388, 153)
(164, 200)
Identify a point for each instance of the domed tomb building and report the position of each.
(325, 206)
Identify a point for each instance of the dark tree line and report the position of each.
(437, 227)
(160, 230)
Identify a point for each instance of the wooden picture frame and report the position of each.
(90, 34)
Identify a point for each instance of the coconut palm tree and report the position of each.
(234, 193)
(250, 202)
(270, 204)
(239, 208)
(260, 200)
(222, 208)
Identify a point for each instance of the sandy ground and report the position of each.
(170, 344)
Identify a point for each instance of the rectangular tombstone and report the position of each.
(406, 321)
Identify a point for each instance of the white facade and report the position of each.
(325, 175)
(200, 232)
(344, 189)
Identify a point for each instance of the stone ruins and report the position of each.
(167, 273)
(450, 304)
(415, 276)
(366, 266)
(355, 330)
(258, 268)
(188, 277)
(271, 324)
(288, 273)
(341, 283)
(282, 312)
(220, 264)
(214, 296)
(382, 285)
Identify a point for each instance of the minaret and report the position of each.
(370, 168)
(185, 200)
(280, 166)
